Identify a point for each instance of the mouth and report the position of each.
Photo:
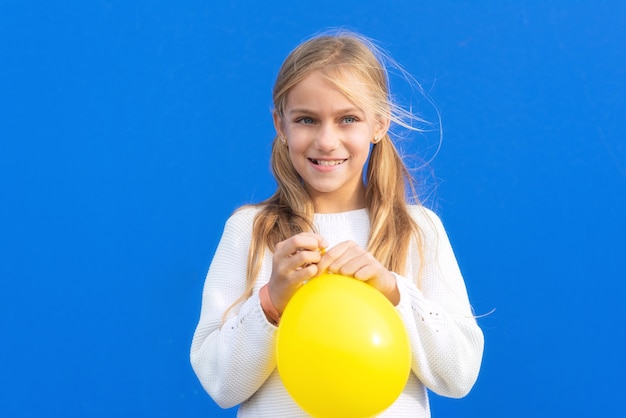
(327, 163)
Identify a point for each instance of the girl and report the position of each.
(330, 213)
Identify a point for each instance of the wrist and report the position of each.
(271, 313)
(393, 293)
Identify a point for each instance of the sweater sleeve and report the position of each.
(232, 359)
(446, 342)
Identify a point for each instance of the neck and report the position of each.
(336, 203)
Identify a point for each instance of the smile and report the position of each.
(327, 163)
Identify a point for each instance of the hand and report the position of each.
(349, 259)
(294, 262)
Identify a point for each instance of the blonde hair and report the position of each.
(290, 210)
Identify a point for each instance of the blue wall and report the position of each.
(131, 129)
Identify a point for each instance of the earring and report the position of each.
(283, 140)
(376, 139)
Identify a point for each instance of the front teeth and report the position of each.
(327, 163)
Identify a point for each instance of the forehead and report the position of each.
(344, 86)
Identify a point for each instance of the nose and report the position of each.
(327, 138)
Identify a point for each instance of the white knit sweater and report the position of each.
(235, 360)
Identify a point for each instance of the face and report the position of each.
(329, 139)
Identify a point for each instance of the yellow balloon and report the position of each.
(342, 349)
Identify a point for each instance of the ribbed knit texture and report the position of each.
(235, 361)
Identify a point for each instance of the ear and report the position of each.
(381, 127)
(278, 124)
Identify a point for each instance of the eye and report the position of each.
(350, 120)
(305, 120)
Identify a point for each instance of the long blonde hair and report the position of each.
(389, 185)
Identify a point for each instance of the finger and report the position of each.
(304, 258)
(363, 266)
(327, 258)
(284, 265)
(305, 241)
(367, 272)
(299, 276)
(294, 244)
(336, 257)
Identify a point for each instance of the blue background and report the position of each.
(130, 130)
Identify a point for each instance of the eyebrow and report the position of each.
(347, 110)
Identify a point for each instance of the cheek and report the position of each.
(362, 146)
(295, 156)
(297, 142)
